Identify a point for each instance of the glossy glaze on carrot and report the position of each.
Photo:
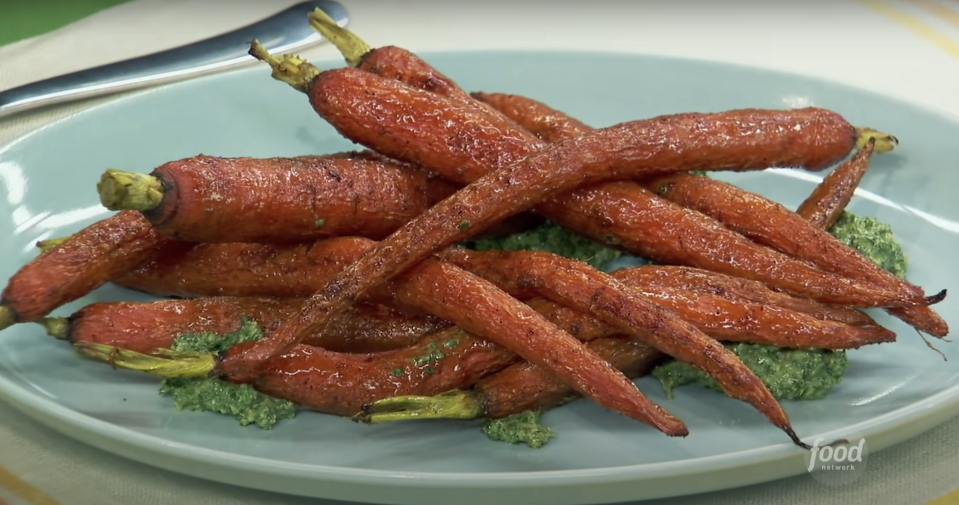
(147, 326)
(77, 266)
(824, 206)
(215, 199)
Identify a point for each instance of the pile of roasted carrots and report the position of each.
(348, 262)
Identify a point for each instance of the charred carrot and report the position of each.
(520, 273)
(785, 231)
(429, 277)
(614, 152)
(647, 226)
(707, 282)
(830, 197)
(779, 228)
(299, 270)
(548, 124)
(686, 228)
(215, 199)
(331, 382)
(517, 388)
(443, 291)
(147, 326)
(75, 267)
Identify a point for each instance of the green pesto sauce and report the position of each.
(789, 374)
(522, 428)
(550, 237)
(874, 239)
(241, 401)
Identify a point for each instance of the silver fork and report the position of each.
(282, 32)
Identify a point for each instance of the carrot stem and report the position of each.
(121, 190)
(166, 363)
(884, 141)
(44, 245)
(456, 404)
(346, 42)
(57, 327)
(7, 317)
(288, 68)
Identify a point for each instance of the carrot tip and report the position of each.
(936, 298)
(289, 68)
(121, 190)
(884, 142)
(7, 317)
(347, 43)
(795, 438)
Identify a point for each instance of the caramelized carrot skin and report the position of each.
(298, 270)
(445, 132)
(738, 289)
(450, 293)
(85, 261)
(589, 290)
(341, 384)
(524, 386)
(215, 199)
(774, 225)
(358, 102)
(823, 207)
(645, 225)
(147, 326)
(479, 307)
(541, 120)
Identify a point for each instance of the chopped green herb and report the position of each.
(397, 372)
(874, 239)
(550, 237)
(241, 401)
(790, 374)
(451, 343)
(522, 428)
(464, 225)
(320, 223)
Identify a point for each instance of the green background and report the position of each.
(21, 19)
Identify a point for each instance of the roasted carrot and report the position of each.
(589, 290)
(646, 226)
(548, 124)
(702, 297)
(337, 383)
(215, 199)
(147, 326)
(372, 370)
(610, 153)
(830, 197)
(785, 231)
(521, 274)
(699, 281)
(77, 266)
(685, 228)
(444, 291)
(778, 227)
(517, 388)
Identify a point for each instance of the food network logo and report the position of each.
(837, 462)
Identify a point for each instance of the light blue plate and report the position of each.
(892, 392)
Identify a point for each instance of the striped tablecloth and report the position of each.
(905, 48)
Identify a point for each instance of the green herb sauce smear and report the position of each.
(523, 428)
(550, 237)
(789, 374)
(241, 401)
